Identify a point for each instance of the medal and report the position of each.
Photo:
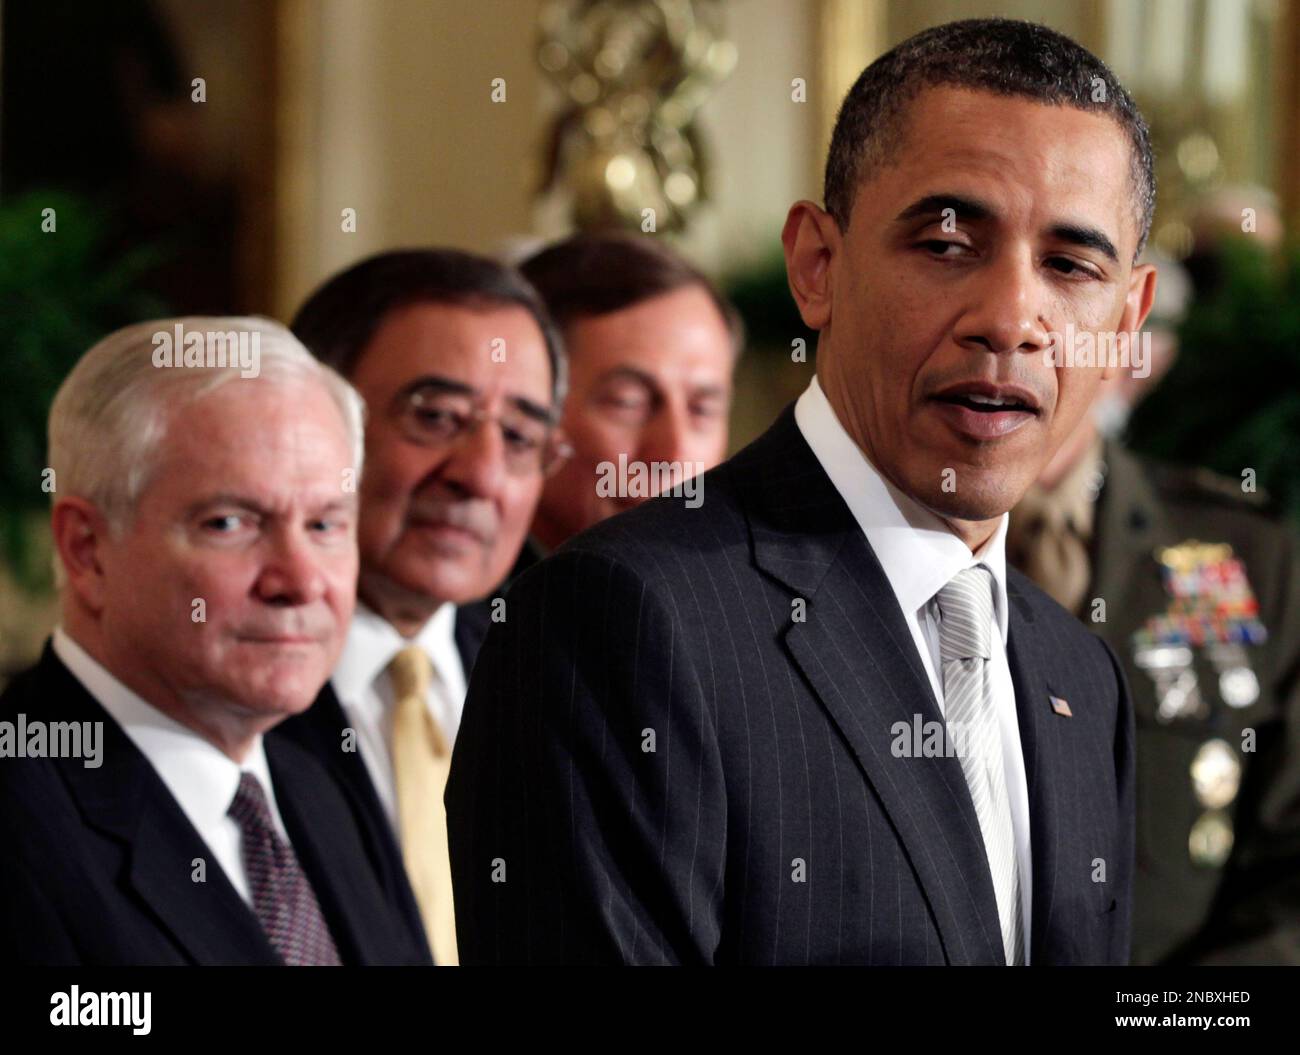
(1216, 774)
(1238, 685)
(1210, 840)
(1170, 667)
(1212, 607)
(1211, 600)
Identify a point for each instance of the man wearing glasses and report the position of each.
(462, 373)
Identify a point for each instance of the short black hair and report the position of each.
(599, 272)
(1000, 55)
(338, 320)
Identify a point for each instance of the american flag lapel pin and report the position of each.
(1059, 706)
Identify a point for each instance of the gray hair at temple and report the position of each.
(110, 416)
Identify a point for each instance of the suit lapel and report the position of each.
(324, 723)
(470, 629)
(127, 800)
(209, 919)
(855, 650)
(1040, 744)
(324, 838)
(319, 731)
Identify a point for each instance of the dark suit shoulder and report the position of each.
(33, 798)
(1209, 508)
(1201, 490)
(661, 542)
(32, 786)
(670, 525)
(19, 692)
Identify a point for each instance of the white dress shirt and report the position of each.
(202, 779)
(365, 691)
(920, 555)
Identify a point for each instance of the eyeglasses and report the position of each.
(443, 419)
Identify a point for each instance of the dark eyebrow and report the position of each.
(1088, 237)
(438, 383)
(973, 209)
(933, 204)
(532, 409)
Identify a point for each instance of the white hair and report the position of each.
(109, 418)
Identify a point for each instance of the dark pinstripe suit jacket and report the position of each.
(659, 762)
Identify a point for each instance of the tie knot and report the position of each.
(966, 615)
(411, 672)
(249, 808)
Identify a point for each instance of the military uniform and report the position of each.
(1198, 591)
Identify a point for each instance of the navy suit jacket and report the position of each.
(677, 749)
(99, 863)
(320, 731)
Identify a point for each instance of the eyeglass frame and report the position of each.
(554, 448)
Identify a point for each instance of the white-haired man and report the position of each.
(204, 520)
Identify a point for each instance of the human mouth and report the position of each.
(442, 531)
(279, 640)
(983, 411)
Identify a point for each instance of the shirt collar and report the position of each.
(200, 777)
(917, 550)
(373, 641)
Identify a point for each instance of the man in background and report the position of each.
(651, 347)
(206, 544)
(1197, 589)
(462, 374)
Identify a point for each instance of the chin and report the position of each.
(980, 501)
(457, 584)
(291, 695)
(287, 688)
(431, 575)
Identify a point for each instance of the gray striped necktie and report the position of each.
(965, 632)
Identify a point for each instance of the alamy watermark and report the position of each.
(932, 739)
(37, 739)
(209, 348)
(75, 1008)
(647, 479)
(1089, 348)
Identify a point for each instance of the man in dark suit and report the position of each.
(814, 718)
(207, 551)
(462, 372)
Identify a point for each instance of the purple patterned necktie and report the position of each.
(282, 898)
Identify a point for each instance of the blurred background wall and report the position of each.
(201, 157)
(408, 83)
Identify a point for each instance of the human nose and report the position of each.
(1006, 313)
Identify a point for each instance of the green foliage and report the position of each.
(60, 292)
(1232, 399)
(762, 296)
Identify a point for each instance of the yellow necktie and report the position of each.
(421, 758)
